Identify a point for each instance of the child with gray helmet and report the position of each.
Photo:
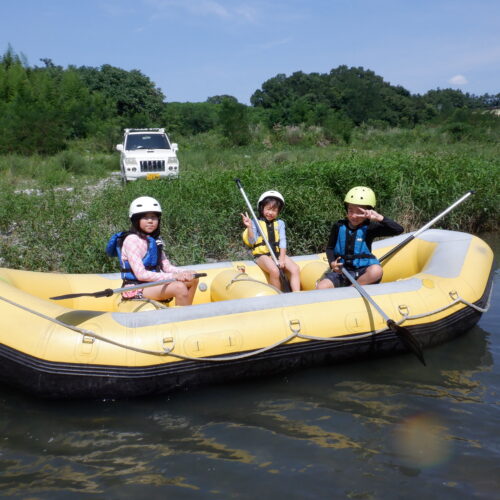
(270, 205)
(142, 259)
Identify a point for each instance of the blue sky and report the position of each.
(194, 49)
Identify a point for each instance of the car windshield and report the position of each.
(146, 141)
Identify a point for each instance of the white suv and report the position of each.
(147, 153)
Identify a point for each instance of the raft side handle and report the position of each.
(403, 310)
(294, 325)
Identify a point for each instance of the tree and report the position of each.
(42, 108)
(217, 99)
(190, 118)
(131, 91)
(233, 118)
(358, 94)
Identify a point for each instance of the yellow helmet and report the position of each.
(361, 195)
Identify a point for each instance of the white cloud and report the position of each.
(205, 7)
(458, 80)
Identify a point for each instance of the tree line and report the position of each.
(43, 108)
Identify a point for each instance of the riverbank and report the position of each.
(64, 226)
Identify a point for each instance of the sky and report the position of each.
(195, 49)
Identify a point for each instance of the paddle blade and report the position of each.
(71, 296)
(103, 293)
(410, 342)
(285, 283)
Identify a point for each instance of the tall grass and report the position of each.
(66, 167)
(53, 229)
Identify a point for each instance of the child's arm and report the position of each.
(282, 258)
(178, 273)
(386, 226)
(332, 241)
(247, 222)
(283, 243)
(373, 215)
(250, 234)
(133, 250)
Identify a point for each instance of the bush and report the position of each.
(59, 230)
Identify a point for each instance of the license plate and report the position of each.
(152, 177)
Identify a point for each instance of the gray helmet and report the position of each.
(142, 205)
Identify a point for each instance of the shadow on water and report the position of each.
(373, 429)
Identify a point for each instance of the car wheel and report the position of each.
(123, 178)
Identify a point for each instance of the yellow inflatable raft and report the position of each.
(239, 327)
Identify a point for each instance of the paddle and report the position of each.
(404, 334)
(285, 284)
(427, 226)
(108, 291)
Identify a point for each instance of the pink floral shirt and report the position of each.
(133, 250)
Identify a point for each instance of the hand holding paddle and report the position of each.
(108, 291)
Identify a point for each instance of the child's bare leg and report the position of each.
(183, 292)
(372, 275)
(192, 286)
(324, 284)
(267, 265)
(294, 271)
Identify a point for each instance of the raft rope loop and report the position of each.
(239, 277)
(293, 324)
(456, 299)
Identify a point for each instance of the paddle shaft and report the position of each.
(109, 291)
(364, 294)
(424, 228)
(152, 283)
(404, 334)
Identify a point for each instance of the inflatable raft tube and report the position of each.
(239, 327)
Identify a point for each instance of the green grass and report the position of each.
(56, 229)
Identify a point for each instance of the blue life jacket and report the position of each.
(352, 248)
(151, 260)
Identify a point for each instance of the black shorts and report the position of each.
(339, 280)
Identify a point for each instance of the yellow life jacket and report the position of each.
(260, 247)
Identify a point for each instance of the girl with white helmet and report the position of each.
(350, 241)
(142, 259)
(270, 205)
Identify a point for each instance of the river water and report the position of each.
(387, 428)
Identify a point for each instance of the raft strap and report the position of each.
(293, 324)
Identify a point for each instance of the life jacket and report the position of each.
(270, 229)
(151, 261)
(352, 248)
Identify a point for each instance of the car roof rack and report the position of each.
(128, 130)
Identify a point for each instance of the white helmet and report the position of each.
(142, 205)
(271, 194)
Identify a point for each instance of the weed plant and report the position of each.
(63, 221)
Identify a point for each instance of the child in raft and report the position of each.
(269, 206)
(351, 239)
(142, 259)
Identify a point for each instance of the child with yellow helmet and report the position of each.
(351, 241)
(270, 205)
